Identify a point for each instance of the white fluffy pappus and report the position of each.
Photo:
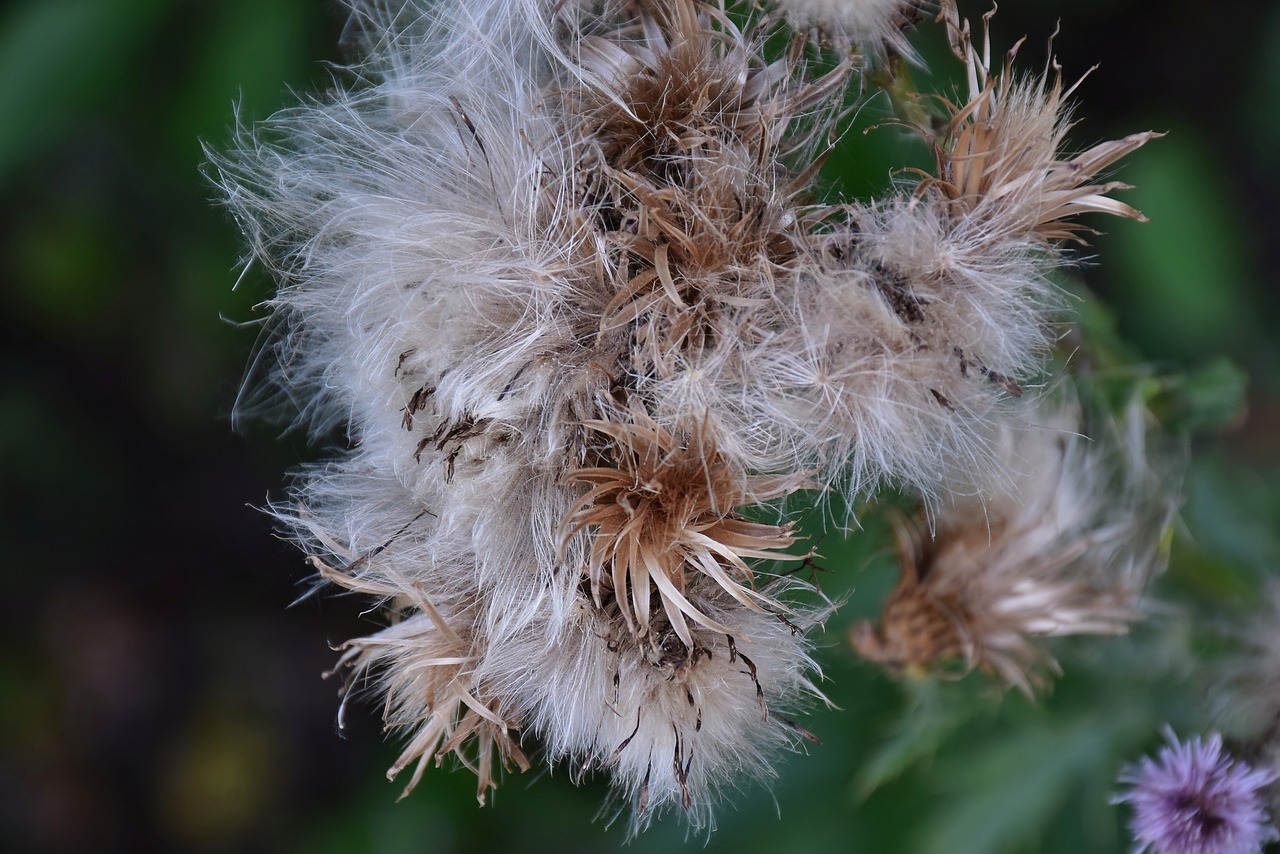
(419, 252)
(671, 726)
(871, 25)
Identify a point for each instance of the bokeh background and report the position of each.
(157, 692)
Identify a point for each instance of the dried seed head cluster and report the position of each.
(556, 269)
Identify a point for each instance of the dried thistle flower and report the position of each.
(1195, 798)
(1066, 549)
(662, 510)
(556, 270)
(425, 664)
(999, 161)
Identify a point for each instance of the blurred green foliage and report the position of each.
(155, 693)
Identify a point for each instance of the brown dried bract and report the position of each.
(696, 154)
(1000, 157)
(920, 627)
(661, 510)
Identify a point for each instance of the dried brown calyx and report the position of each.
(986, 591)
(922, 627)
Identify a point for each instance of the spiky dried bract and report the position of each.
(662, 511)
(424, 661)
(1001, 166)
(424, 664)
(1066, 549)
(696, 151)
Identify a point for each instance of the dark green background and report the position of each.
(157, 693)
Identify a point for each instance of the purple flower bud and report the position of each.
(1194, 798)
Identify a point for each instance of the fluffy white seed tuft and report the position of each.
(555, 270)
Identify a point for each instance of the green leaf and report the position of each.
(60, 59)
(1188, 287)
(1212, 396)
(920, 732)
(1012, 788)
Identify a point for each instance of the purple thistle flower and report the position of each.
(1194, 798)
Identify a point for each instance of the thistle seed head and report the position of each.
(1067, 548)
(557, 271)
(662, 510)
(1000, 164)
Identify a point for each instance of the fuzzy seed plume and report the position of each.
(673, 725)
(871, 26)
(559, 274)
